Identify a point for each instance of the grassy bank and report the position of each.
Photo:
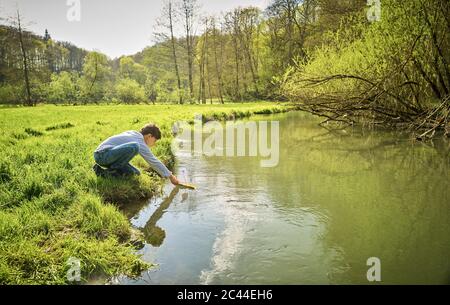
(53, 207)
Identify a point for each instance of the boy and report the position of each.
(116, 152)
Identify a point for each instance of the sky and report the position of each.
(113, 27)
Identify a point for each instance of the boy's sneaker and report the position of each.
(100, 172)
(115, 173)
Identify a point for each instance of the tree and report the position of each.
(232, 24)
(167, 23)
(29, 101)
(243, 29)
(218, 64)
(188, 12)
(47, 36)
(128, 68)
(96, 72)
(248, 21)
(51, 54)
(203, 46)
(288, 23)
(394, 72)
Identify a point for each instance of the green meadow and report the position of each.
(53, 207)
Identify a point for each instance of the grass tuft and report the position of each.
(34, 133)
(60, 126)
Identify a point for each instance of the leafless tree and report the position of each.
(166, 22)
(26, 73)
(188, 11)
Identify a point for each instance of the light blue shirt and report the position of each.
(144, 151)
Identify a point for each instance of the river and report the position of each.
(335, 200)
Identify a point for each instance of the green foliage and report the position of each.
(45, 57)
(10, 94)
(235, 58)
(393, 70)
(63, 88)
(96, 77)
(129, 91)
(130, 69)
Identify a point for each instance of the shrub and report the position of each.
(129, 91)
(10, 94)
(62, 88)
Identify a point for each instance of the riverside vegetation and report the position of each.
(53, 207)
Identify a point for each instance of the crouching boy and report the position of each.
(113, 156)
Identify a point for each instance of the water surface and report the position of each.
(335, 200)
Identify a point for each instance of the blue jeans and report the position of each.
(118, 158)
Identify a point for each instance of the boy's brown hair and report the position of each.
(151, 129)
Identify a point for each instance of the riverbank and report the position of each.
(53, 207)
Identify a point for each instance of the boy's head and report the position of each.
(151, 134)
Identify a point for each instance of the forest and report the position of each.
(336, 59)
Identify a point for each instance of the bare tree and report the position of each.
(232, 25)
(20, 33)
(188, 11)
(288, 23)
(203, 64)
(218, 69)
(248, 21)
(411, 93)
(166, 22)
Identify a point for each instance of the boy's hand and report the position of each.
(174, 180)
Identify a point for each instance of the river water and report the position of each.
(335, 200)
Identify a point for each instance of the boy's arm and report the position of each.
(157, 165)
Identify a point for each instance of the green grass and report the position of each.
(53, 207)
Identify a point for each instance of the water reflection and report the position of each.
(336, 199)
(153, 234)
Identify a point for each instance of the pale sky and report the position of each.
(114, 27)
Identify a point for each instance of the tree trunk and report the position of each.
(174, 54)
(202, 89)
(218, 72)
(188, 11)
(25, 62)
(236, 55)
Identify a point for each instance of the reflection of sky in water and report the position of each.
(333, 202)
(228, 243)
(225, 232)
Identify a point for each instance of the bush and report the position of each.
(62, 88)
(129, 91)
(10, 94)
